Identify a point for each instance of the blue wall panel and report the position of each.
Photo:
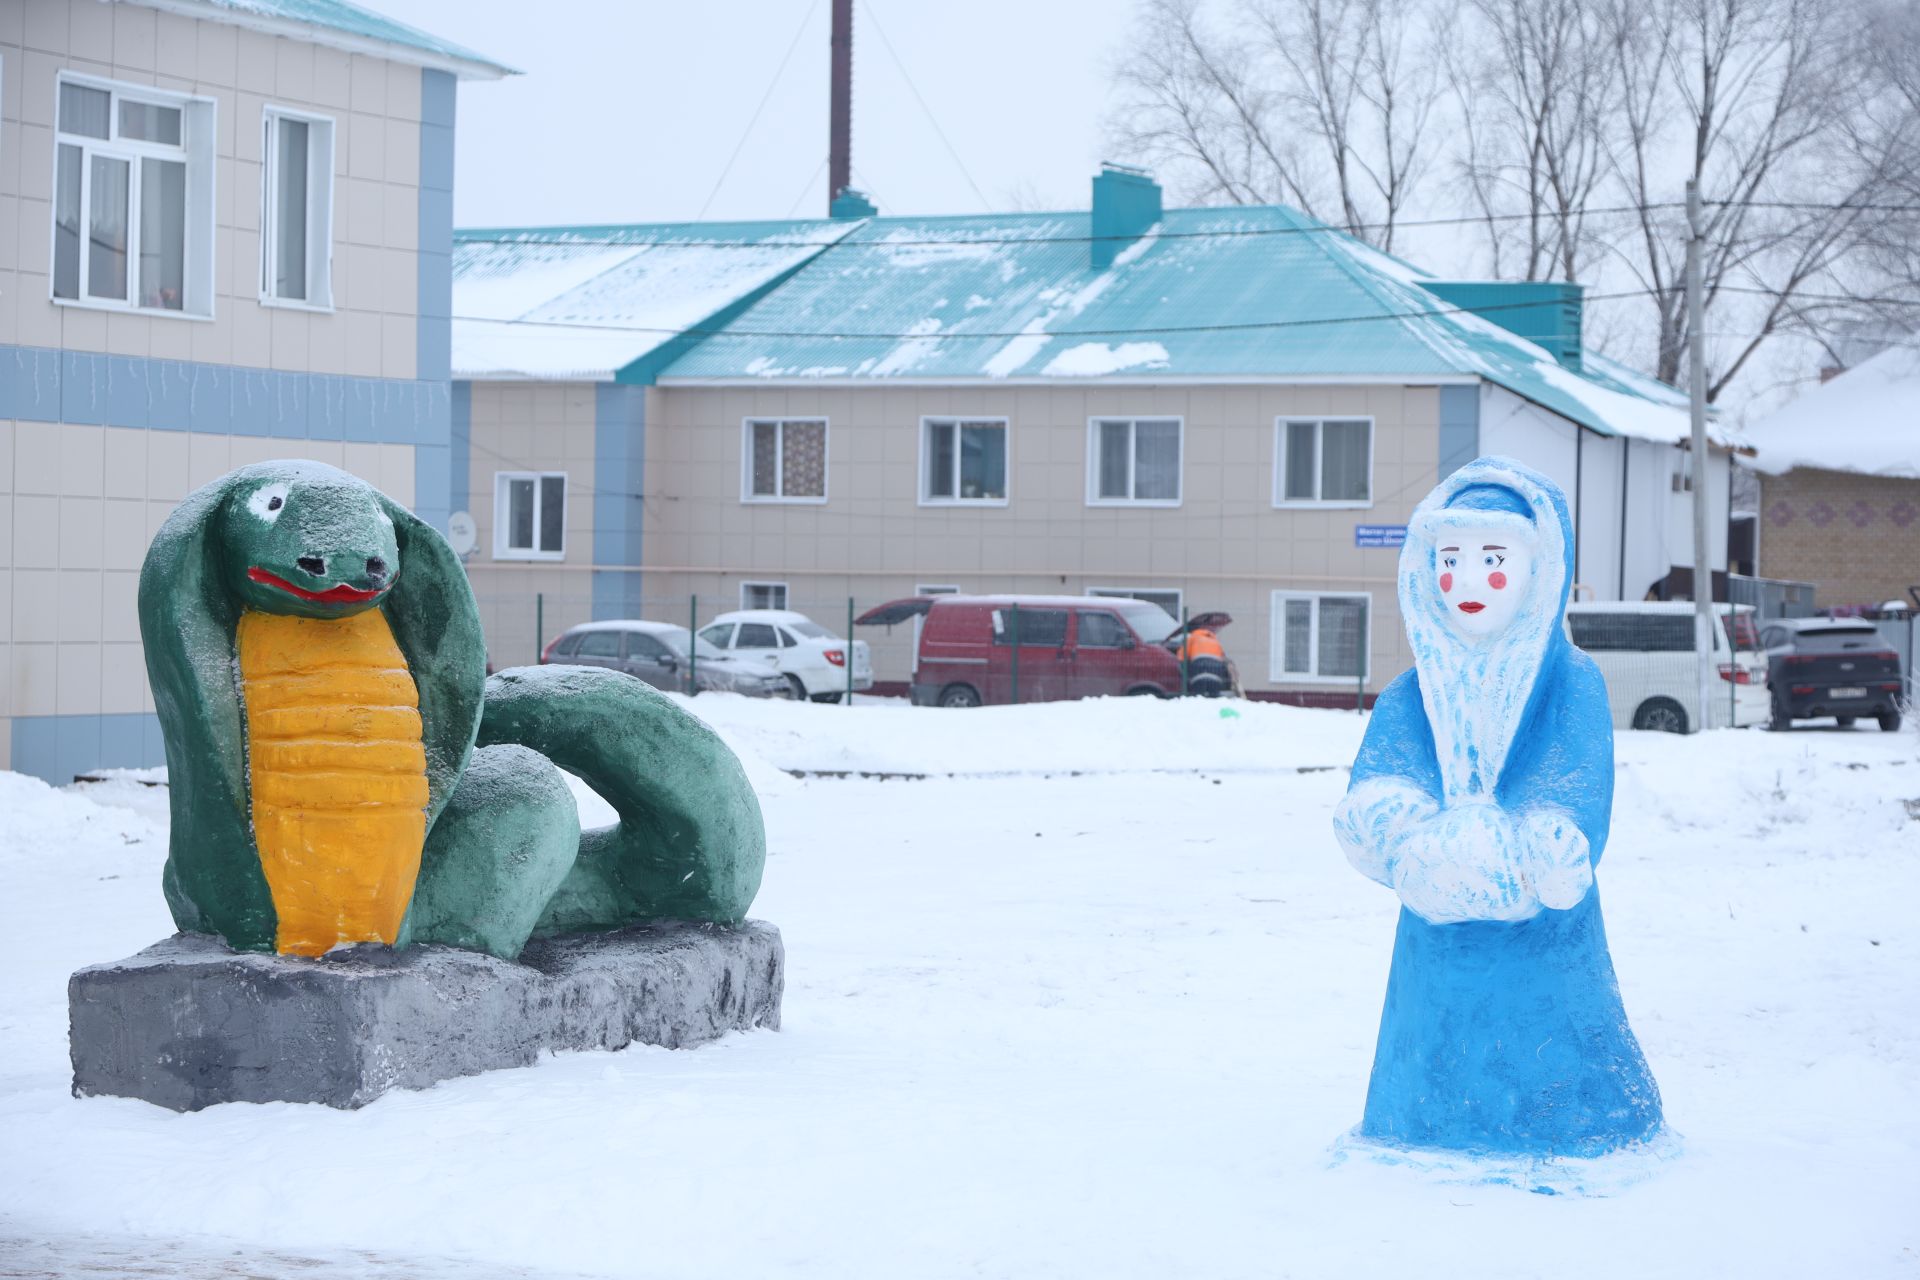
(1459, 427)
(619, 472)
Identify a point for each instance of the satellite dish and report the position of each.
(461, 534)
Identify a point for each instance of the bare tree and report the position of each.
(1537, 98)
(1745, 95)
(1800, 120)
(1327, 110)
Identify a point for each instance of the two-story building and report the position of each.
(227, 236)
(1223, 408)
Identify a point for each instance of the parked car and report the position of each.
(1644, 649)
(660, 654)
(811, 659)
(1839, 667)
(1068, 646)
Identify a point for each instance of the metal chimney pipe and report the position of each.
(840, 116)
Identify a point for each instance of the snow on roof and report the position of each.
(1206, 293)
(1867, 421)
(584, 303)
(336, 22)
(1214, 294)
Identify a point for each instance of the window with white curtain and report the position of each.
(763, 595)
(963, 460)
(1319, 636)
(132, 198)
(1134, 461)
(296, 210)
(1323, 462)
(530, 515)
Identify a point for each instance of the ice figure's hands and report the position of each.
(1555, 857)
(1469, 862)
(1464, 864)
(1371, 819)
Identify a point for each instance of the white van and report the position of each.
(1644, 648)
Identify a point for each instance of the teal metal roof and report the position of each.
(341, 18)
(1213, 294)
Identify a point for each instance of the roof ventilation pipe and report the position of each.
(1126, 204)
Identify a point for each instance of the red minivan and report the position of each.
(1069, 647)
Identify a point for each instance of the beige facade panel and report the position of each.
(373, 109)
(1224, 544)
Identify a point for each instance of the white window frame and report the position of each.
(780, 459)
(1133, 593)
(1277, 640)
(196, 151)
(1280, 500)
(750, 583)
(501, 550)
(320, 205)
(1133, 460)
(961, 421)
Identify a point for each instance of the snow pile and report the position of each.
(1098, 359)
(1103, 1025)
(1098, 735)
(1867, 420)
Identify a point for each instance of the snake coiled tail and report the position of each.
(690, 843)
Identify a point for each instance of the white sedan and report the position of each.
(812, 658)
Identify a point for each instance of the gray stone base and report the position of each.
(188, 1023)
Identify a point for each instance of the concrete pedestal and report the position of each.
(188, 1022)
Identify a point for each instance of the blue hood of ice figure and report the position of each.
(1479, 694)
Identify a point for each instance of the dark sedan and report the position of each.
(663, 655)
(1837, 667)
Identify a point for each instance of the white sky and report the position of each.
(627, 112)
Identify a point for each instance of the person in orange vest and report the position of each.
(1205, 662)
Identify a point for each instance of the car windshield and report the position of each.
(675, 638)
(811, 630)
(1837, 640)
(1149, 621)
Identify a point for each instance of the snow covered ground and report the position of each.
(1061, 1010)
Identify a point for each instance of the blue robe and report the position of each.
(1500, 1035)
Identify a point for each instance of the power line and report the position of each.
(489, 236)
(764, 99)
(809, 187)
(944, 335)
(931, 118)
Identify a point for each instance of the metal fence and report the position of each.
(521, 626)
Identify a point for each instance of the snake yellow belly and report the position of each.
(337, 773)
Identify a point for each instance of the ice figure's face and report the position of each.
(1484, 578)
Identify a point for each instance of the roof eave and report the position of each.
(465, 67)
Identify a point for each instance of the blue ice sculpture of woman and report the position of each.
(1482, 795)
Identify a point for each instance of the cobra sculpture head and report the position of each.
(311, 542)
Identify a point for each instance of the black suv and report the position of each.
(1837, 667)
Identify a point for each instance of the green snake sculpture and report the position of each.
(342, 770)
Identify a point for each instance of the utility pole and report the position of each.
(1697, 399)
(840, 111)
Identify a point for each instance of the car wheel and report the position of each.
(828, 697)
(1147, 691)
(1889, 720)
(959, 695)
(1661, 714)
(1845, 722)
(799, 689)
(1780, 721)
